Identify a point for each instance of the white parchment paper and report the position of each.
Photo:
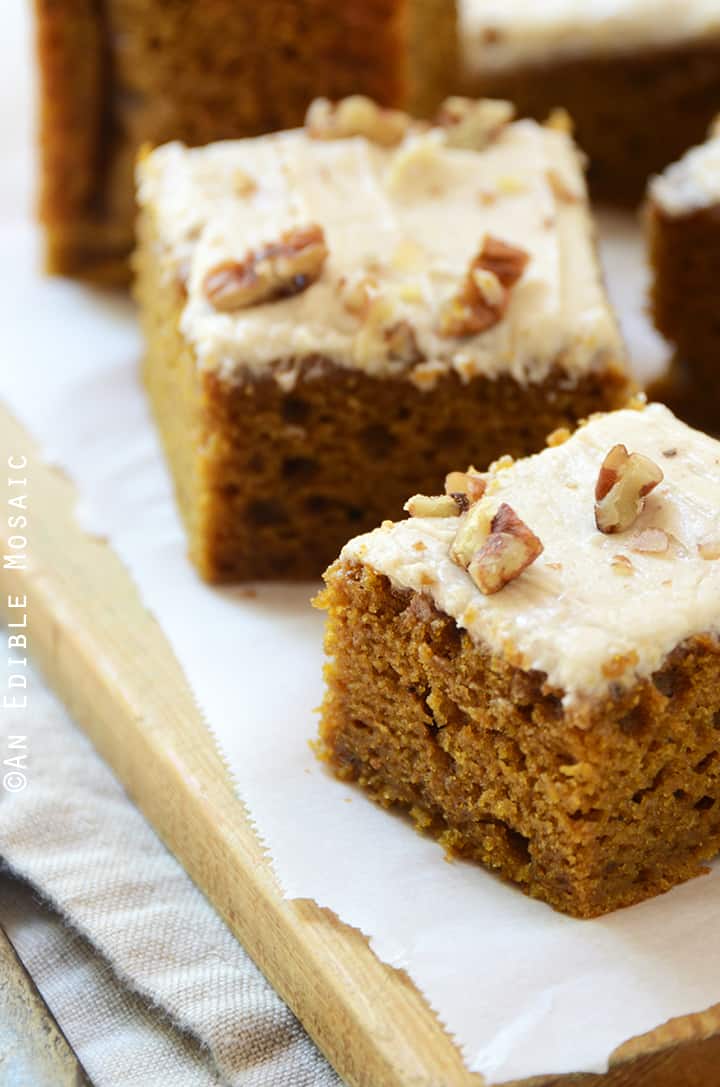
(522, 989)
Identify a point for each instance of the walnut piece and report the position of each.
(435, 505)
(494, 545)
(473, 123)
(356, 115)
(276, 270)
(624, 480)
(485, 292)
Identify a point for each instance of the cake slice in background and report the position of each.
(683, 236)
(122, 73)
(335, 315)
(530, 664)
(641, 78)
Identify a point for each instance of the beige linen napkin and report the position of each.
(148, 984)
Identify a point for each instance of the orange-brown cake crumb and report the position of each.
(114, 76)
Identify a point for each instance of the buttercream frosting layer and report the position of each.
(499, 35)
(409, 219)
(690, 184)
(593, 610)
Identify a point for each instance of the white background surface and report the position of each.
(522, 988)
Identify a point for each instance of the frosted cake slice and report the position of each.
(529, 664)
(335, 315)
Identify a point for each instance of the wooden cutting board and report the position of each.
(111, 664)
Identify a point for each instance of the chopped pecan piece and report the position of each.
(470, 483)
(276, 270)
(560, 121)
(473, 530)
(356, 115)
(357, 294)
(243, 184)
(709, 548)
(401, 343)
(506, 550)
(473, 123)
(558, 437)
(504, 260)
(434, 505)
(623, 482)
(485, 293)
(384, 334)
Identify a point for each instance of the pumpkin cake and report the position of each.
(117, 75)
(530, 665)
(641, 78)
(683, 235)
(334, 315)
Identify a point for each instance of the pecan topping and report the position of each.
(560, 121)
(558, 437)
(435, 505)
(401, 343)
(357, 294)
(355, 116)
(494, 545)
(472, 123)
(243, 184)
(622, 485)
(485, 293)
(473, 531)
(709, 548)
(276, 270)
(470, 483)
(384, 334)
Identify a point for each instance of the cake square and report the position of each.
(115, 76)
(682, 218)
(534, 672)
(613, 65)
(333, 315)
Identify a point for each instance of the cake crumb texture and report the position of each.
(589, 808)
(117, 75)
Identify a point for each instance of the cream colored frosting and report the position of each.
(690, 184)
(578, 613)
(502, 34)
(413, 217)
